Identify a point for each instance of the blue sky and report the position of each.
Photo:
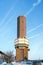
(33, 10)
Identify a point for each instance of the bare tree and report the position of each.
(10, 57)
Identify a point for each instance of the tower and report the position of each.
(21, 43)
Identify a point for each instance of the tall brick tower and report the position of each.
(21, 43)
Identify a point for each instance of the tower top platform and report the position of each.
(21, 41)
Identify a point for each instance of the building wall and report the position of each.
(21, 27)
(1, 58)
(26, 53)
(21, 54)
(36, 63)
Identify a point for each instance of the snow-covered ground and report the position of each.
(17, 63)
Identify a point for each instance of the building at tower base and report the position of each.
(36, 63)
(21, 43)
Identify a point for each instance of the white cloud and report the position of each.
(37, 3)
(7, 14)
(35, 28)
(36, 44)
(34, 5)
(34, 36)
(29, 11)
